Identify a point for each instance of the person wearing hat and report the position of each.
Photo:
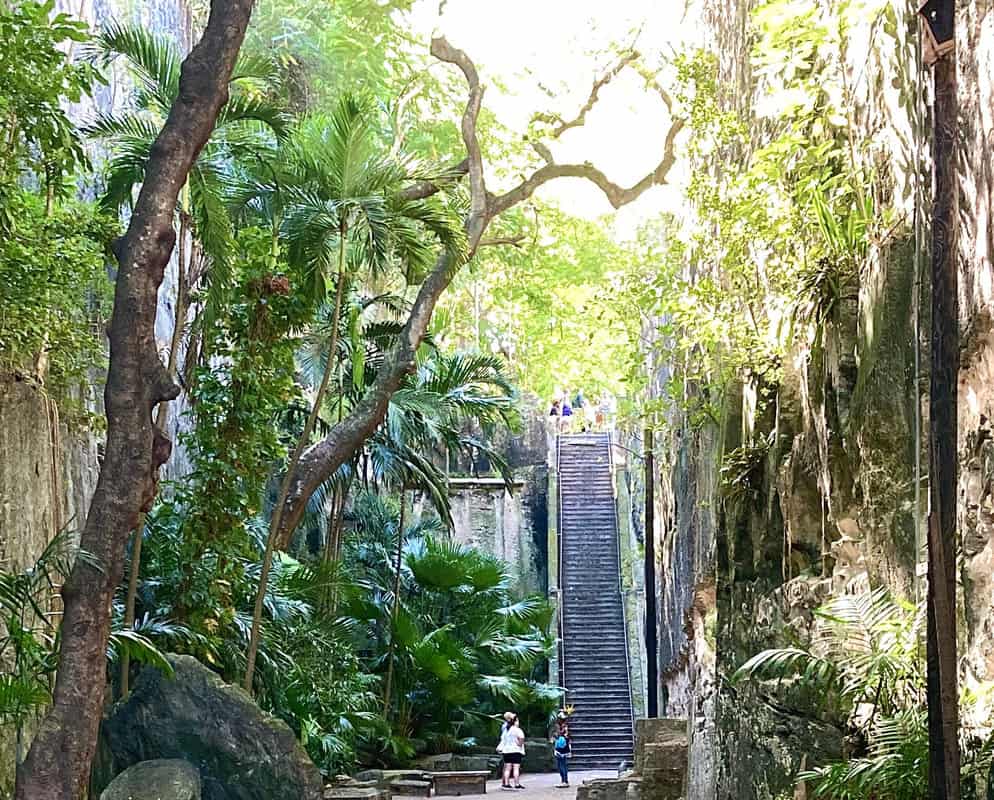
(508, 718)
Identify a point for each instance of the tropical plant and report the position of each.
(460, 645)
(38, 80)
(742, 472)
(56, 295)
(865, 667)
(29, 642)
(249, 122)
(234, 439)
(349, 214)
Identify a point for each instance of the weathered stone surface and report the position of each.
(628, 787)
(451, 783)
(538, 756)
(513, 526)
(161, 779)
(337, 792)
(473, 763)
(411, 788)
(660, 741)
(241, 752)
(384, 777)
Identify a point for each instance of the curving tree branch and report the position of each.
(561, 125)
(321, 460)
(427, 188)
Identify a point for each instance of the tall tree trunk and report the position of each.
(58, 764)
(395, 608)
(943, 716)
(274, 523)
(161, 418)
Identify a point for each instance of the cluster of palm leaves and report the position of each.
(445, 623)
(866, 666)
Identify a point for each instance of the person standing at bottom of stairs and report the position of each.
(512, 747)
(563, 749)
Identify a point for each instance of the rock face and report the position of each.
(660, 766)
(241, 752)
(538, 756)
(345, 788)
(162, 779)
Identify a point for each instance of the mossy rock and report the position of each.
(241, 752)
(162, 779)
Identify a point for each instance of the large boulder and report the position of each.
(241, 752)
(162, 779)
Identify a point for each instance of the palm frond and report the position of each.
(153, 58)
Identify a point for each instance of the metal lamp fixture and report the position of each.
(939, 29)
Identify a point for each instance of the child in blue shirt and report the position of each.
(563, 750)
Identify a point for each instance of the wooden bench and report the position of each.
(456, 784)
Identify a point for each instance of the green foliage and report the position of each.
(463, 648)
(29, 642)
(742, 472)
(310, 674)
(543, 305)
(38, 79)
(55, 294)
(235, 441)
(333, 191)
(865, 664)
(777, 238)
(248, 123)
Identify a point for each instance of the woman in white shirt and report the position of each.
(512, 747)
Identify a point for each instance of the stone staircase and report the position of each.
(593, 653)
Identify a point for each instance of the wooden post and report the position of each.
(943, 716)
(651, 647)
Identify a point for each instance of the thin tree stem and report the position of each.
(395, 609)
(277, 518)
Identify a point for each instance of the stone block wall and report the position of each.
(510, 525)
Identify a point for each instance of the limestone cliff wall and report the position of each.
(842, 490)
(513, 525)
(976, 409)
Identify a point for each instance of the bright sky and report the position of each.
(559, 44)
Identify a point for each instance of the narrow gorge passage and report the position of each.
(594, 664)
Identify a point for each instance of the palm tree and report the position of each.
(249, 122)
(441, 626)
(435, 411)
(347, 213)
